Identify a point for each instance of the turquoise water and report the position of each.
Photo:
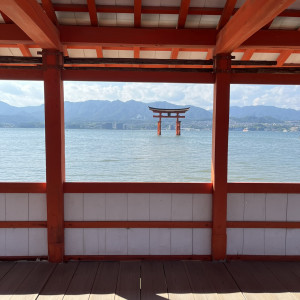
(115, 155)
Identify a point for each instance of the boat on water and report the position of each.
(245, 130)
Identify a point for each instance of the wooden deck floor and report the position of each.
(150, 280)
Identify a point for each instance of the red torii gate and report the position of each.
(170, 113)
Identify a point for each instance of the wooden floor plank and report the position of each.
(105, 283)
(11, 281)
(128, 286)
(251, 287)
(201, 286)
(177, 281)
(82, 281)
(268, 281)
(286, 276)
(5, 266)
(58, 283)
(222, 280)
(153, 280)
(33, 283)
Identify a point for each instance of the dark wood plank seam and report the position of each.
(50, 275)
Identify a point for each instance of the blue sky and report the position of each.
(24, 93)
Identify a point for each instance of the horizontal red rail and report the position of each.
(262, 224)
(280, 188)
(137, 187)
(22, 187)
(23, 224)
(137, 224)
(264, 257)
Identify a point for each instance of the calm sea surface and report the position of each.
(116, 155)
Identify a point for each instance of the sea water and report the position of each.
(142, 156)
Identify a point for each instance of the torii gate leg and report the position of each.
(159, 126)
(178, 127)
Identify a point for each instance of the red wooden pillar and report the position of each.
(159, 125)
(219, 154)
(178, 127)
(55, 152)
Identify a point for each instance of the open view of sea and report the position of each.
(142, 156)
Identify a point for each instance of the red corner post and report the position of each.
(219, 154)
(55, 152)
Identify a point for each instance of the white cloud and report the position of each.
(23, 93)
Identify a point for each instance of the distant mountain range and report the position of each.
(118, 111)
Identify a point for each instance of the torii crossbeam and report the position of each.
(169, 113)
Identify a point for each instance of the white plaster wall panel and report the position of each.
(175, 3)
(2, 207)
(276, 207)
(75, 52)
(151, 2)
(160, 241)
(197, 3)
(289, 23)
(116, 241)
(125, 20)
(34, 52)
(235, 237)
(1, 19)
(237, 55)
(147, 54)
(102, 241)
(5, 52)
(15, 51)
(275, 241)
(207, 21)
(162, 54)
(198, 55)
(107, 19)
(264, 56)
(235, 207)
(73, 207)
(16, 240)
(16, 207)
(201, 241)
(125, 2)
(110, 53)
(37, 207)
(94, 207)
(2, 242)
(293, 207)
(293, 242)
(90, 241)
(105, 2)
(138, 207)
(126, 54)
(255, 207)
(215, 3)
(294, 58)
(160, 207)
(181, 241)
(182, 207)
(167, 20)
(149, 20)
(202, 207)
(184, 55)
(65, 18)
(90, 53)
(254, 241)
(192, 21)
(82, 18)
(38, 242)
(138, 241)
(116, 206)
(74, 241)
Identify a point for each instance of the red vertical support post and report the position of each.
(220, 154)
(55, 152)
(159, 125)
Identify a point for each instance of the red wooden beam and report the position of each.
(219, 155)
(246, 21)
(227, 13)
(209, 54)
(283, 57)
(92, 12)
(23, 224)
(136, 52)
(6, 19)
(248, 54)
(24, 187)
(137, 13)
(174, 53)
(183, 12)
(32, 19)
(25, 50)
(281, 188)
(99, 52)
(55, 152)
(48, 7)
